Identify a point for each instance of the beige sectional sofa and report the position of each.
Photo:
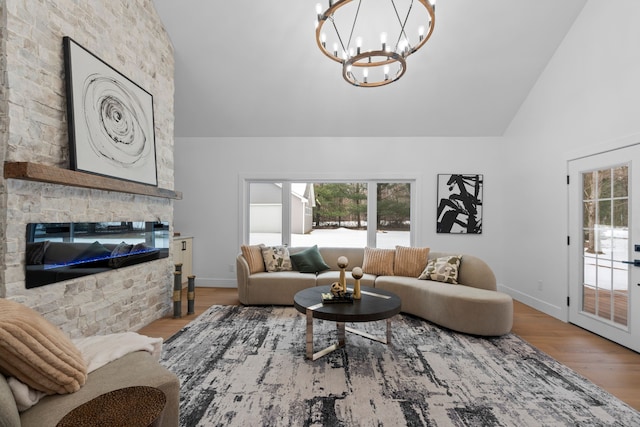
(134, 369)
(472, 306)
(45, 361)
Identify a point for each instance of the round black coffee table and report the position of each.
(375, 304)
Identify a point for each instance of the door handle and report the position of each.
(635, 262)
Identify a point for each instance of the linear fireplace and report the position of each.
(61, 251)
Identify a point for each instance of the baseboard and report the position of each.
(540, 305)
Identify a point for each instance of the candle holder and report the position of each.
(343, 262)
(357, 275)
(177, 292)
(191, 294)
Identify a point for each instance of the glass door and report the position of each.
(604, 280)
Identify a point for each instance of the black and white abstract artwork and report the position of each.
(111, 129)
(460, 203)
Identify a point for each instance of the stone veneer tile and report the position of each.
(128, 35)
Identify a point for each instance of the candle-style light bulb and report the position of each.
(421, 33)
(318, 8)
(335, 49)
(383, 40)
(365, 74)
(386, 72)
(358, 44)
(403, 46)
(323, 39)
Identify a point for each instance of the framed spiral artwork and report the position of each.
(111, 128)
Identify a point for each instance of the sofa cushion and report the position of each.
(331, 255)
(443, 269)
(276, 258)
(36, 352)
(309, 261)
(378, 261)
(410, 262)
(134, 369)
(460, 308)
(253, 255)
(326, 278)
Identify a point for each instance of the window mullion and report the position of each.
(372, 213)
(286, 213)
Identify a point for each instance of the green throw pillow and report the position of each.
(309, 261)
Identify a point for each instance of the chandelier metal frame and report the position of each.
(377, 57)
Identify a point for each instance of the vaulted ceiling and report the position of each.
(252, 68)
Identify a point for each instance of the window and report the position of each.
(265, 213)
(393, 214)
(338, 214)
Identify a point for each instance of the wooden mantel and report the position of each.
(51, 174)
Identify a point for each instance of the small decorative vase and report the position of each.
(343, 262)
(357, 275)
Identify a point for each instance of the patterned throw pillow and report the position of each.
(276, 258)
(444, 269)
(253, 255)
(378, 261)
(410, 262)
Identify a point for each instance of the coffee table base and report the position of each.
(342, 329)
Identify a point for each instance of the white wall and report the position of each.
(208, 171)
(587, 99)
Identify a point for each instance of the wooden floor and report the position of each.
(612, 367)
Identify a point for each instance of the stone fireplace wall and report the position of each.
(128, 35)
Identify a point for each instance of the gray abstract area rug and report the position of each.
(245, 366)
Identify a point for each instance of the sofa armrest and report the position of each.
(9, 415)
(242, 275)
(473, 272)
(134, 369)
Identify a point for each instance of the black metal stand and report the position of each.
(191, 294)
(177, 292)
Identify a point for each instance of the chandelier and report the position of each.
(373, 38)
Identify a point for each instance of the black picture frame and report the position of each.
(460, 203)
(110, 119)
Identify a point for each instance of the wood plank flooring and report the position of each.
(612, 367)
